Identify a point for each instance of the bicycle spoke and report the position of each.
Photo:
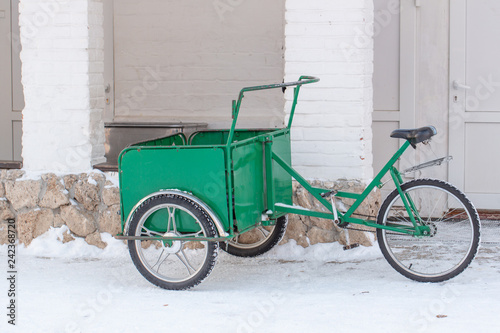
(158, 261)
(151, 233)
(194, 234)
(185, 261)
(171, 219)
(262, 232)
(436, 203)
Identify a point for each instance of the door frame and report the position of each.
(8, 116)
(456, 113)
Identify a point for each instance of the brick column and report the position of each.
(62, 74)
(331, 134)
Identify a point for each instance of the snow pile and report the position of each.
(326, 252)
(50, 245)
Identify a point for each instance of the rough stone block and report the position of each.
(5, 211)
(98, 177)
(53, 197)
(79, 222)
(3, 233)
(95, 239)
(69, 181)
(317, 235)
(33, 223)
(58, 221)
(11, 174)
(23, 194)
(87, 194)
(110, 221)
(67, 237)
(296, 230)
(322, 223)
(111, 196)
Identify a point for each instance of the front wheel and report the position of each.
(454, 231)
(176, 264)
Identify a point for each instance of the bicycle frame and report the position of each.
(276, 209)
(417, 230)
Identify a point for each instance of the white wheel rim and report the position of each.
(177, 254)
(400, 258)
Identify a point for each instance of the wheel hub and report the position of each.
(433, 229)
(172, 246)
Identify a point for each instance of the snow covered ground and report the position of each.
(74, 287)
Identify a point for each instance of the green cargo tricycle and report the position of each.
(183, 198)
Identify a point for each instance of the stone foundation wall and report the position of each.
(87, 203)
(311, 230)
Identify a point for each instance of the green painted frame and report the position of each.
(419, 229)
(276, 209)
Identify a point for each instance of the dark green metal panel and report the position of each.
(201, 171)
(282, 179)
(207, 138)
(178, 139)
(248, 184)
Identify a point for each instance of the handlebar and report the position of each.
(304, 79)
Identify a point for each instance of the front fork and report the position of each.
(421, 229)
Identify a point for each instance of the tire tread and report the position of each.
(467, 204)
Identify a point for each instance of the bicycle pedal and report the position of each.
(351, 246)
(329, 193)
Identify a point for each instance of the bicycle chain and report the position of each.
(373, 231)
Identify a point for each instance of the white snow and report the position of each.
(113, 178)
(37, 175)
(92, 181)
(50, 245)
(75, 287)
(290, 206)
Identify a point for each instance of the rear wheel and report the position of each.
(257, 241)
(177, 264)
(454, 231)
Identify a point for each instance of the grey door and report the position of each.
(475, 100)
(11, 92)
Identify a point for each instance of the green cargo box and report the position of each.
(200, 168)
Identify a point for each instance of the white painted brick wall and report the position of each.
(331, 39)
(62, 62)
